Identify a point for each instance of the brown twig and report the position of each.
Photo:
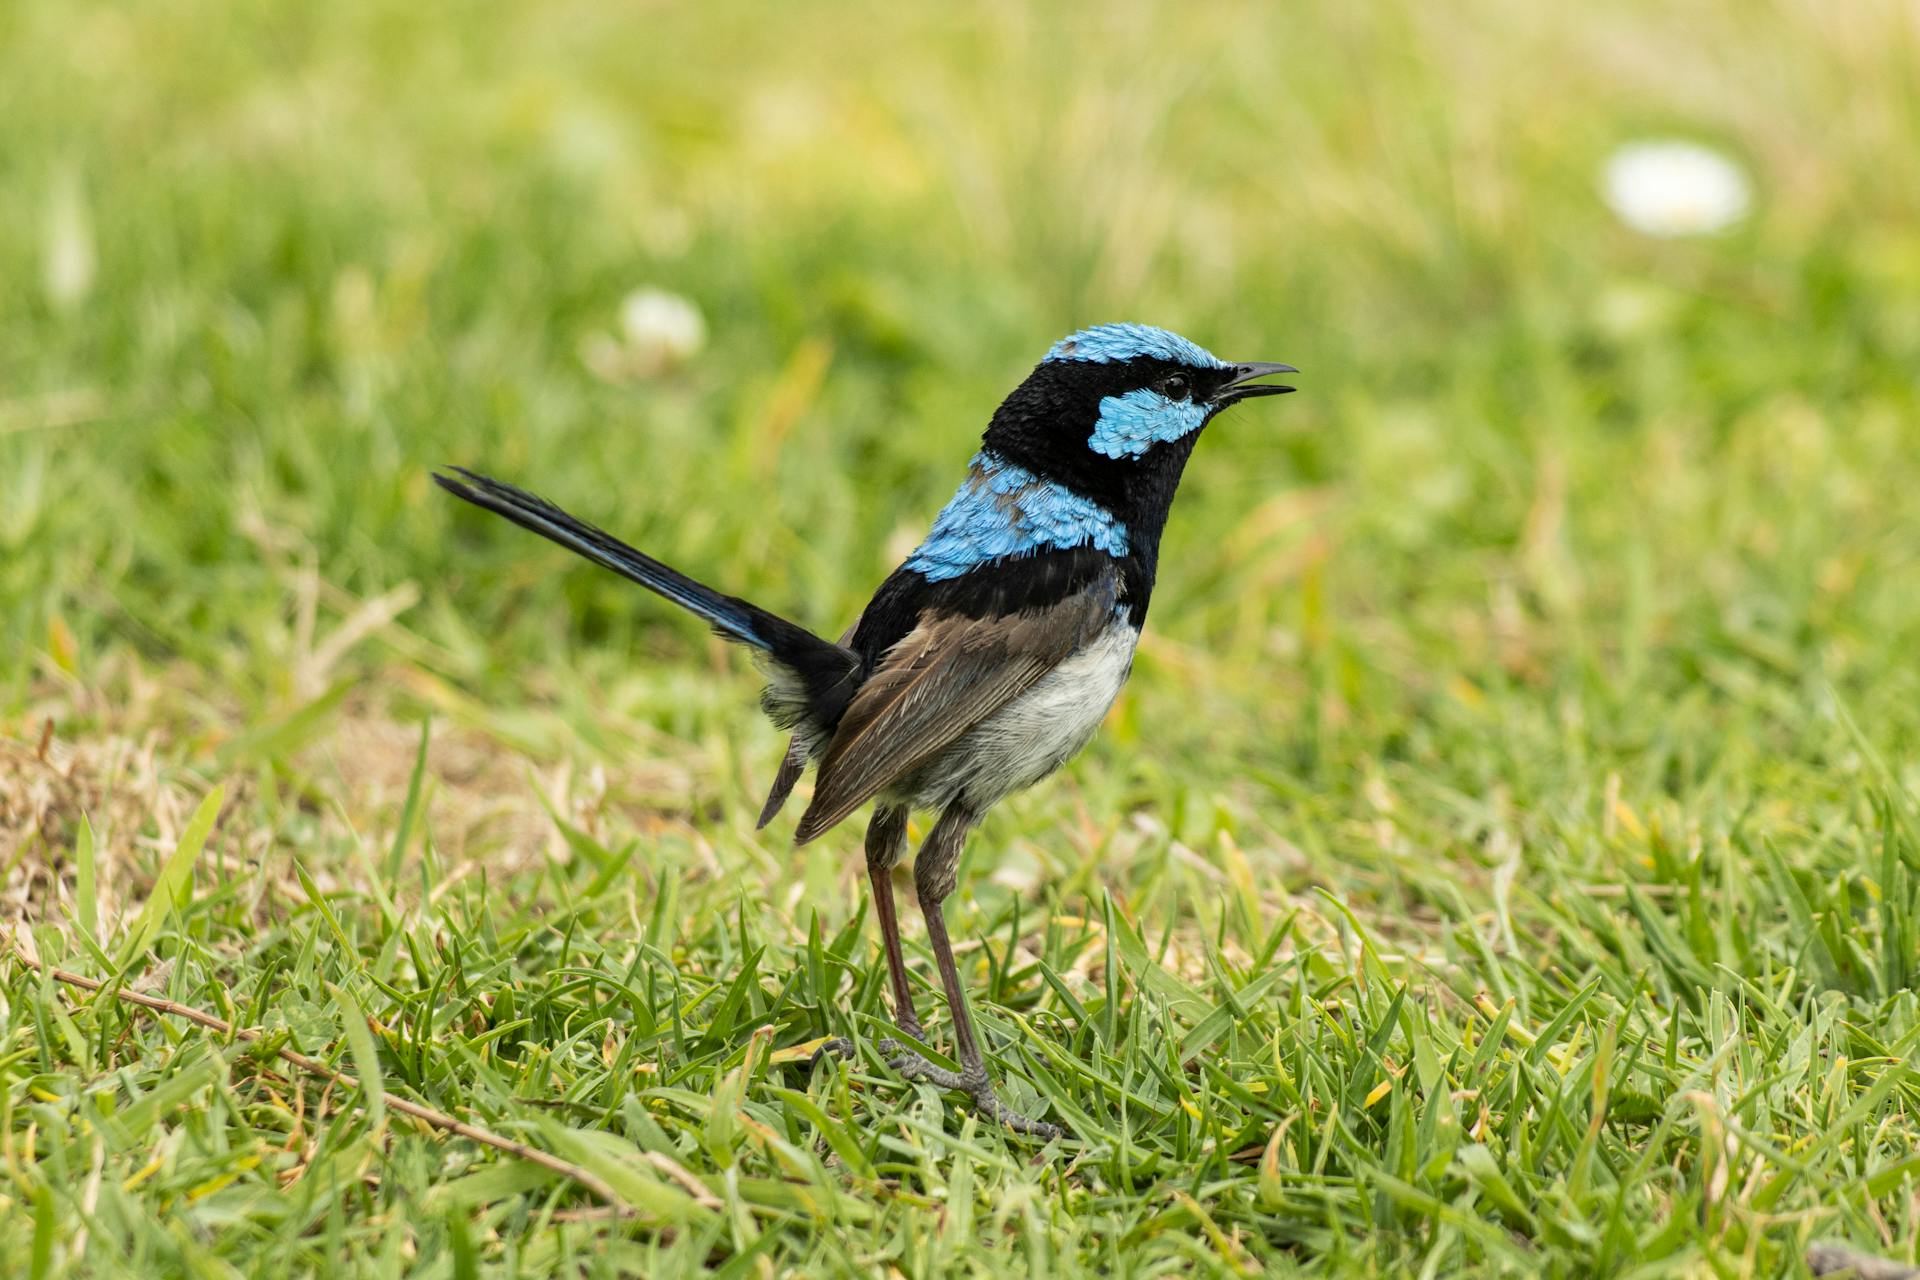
(1828, 1258)
(313, 1066)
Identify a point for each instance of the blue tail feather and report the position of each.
(819, 676)
(733, 618)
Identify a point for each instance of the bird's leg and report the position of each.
(934, 871)
(886, 845)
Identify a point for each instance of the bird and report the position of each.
(991, 655)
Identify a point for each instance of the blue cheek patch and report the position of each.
(1002, 510)
(1108, 342)
(1131, 424)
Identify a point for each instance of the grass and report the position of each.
(1505, 860)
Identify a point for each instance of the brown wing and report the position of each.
(947, 675)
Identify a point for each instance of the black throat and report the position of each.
(1045, 426)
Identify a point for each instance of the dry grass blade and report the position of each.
(314, 1067)
(1827, 1258)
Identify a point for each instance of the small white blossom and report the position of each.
(1675, 188)
(658, 331)
(662, 323)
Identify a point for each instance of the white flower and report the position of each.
(1675, 188)
(658, 331)
(663, 325)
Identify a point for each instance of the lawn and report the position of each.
(1504, 861)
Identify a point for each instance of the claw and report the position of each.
(989, 1102)
(915, 1066)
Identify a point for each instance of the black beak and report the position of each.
(1243, 387)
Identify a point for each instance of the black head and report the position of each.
(1113, 413)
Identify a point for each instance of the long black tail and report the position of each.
(826, 673)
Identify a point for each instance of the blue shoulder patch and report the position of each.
(1131, 424)
(1002, 510)
(1108, 342)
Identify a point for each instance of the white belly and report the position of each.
(1037, 732)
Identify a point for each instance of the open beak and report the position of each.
(1243, 384)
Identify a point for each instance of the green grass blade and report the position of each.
(175, 881)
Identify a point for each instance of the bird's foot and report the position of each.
(915, 1066)
(988, 1101)
(840, 1047)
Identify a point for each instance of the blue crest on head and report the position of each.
(1003, 510)
(1108, 342)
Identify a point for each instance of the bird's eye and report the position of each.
(1174, 386)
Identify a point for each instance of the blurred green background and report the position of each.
(332, 247)
(1567, 617)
